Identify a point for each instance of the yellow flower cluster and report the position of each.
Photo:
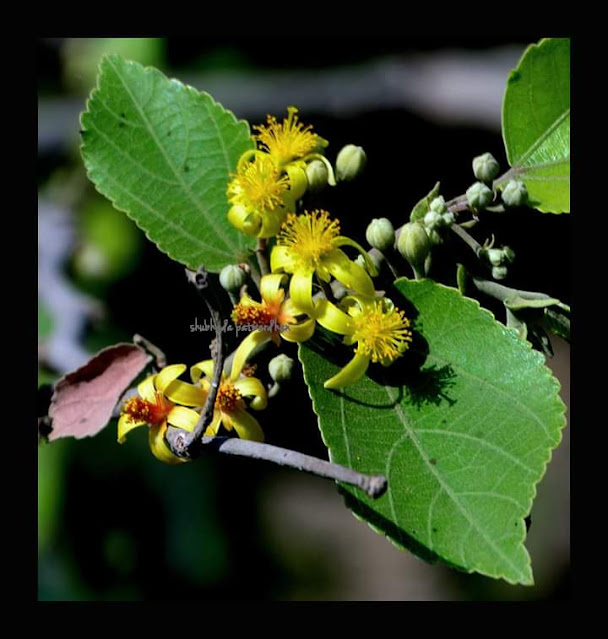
(307, 248)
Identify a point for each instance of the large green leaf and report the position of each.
(462, 428)
(536, 124)
(163, 152)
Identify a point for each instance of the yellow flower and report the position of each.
(381, 331)
(230, 408)
(274, 315)
(158, 405)
(308, 244)
(288, 141)
(260, 193)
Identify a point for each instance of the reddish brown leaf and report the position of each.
(83, 400)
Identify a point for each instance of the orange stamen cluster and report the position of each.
(253, 314)
(228, 398)
(141, 410)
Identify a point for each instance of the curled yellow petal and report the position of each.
(341, 240)
(146, 389)
(354, 370)
(245, 349)
(201, 368)
(300, 291)
(160, 450)
(280, 259)
(186, 394)
(271, 222)
(270, 285)
(183, 417)
(247, 426)
(167, 375)
(332, 318)
(237, 215)
(349, 273)
(253, 387)
(126, 425)
(299, 332)
(214, 426)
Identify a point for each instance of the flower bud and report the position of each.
(509, 253)
(499, 272)
(478, 196)
(350, 162)
(448, 218)
(380, 234)
(280, 368)
(438, 205)
(414, 243)
(485, 167)
(515, 193)
(495, 256)
(317, 174)
(232, 277)
(432, 219)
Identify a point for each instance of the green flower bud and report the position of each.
(317, 174)
(432, 219)
(414, 244)
(515, 193)
(360, 260)
(448, 218)
(434, 237)
(232, 277)
(499, 272)
(485, 167)
(479, 196)
(380, 234)
(438, 205)
(509, 253)
(350, 162)
(252, 224)
(280, 368)
(495, 256)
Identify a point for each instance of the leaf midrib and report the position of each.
(542, 138)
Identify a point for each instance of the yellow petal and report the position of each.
(247, 426)
(214, 426)
(349, 273)
(300, 291)
(244, 350)
(186, 394)
(299, 332)
(332, 318)
(341, 240)
(160, 450)
(270, 286)
(167, 375)
(146, 389)
(354, 370)
(253, 387)
(271, 222)
(183, 417)
(201, 368)
(280, 258)
(237, 215)
(126, 425)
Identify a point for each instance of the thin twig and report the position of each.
(260, 253)
(160, 359)
(372, 485)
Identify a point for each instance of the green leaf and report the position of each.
(162, 152)
(536, 124)
(422, 207)
(462, 427)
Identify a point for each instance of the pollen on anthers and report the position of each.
(288, 140)
(309, 236)
(139, 409)
(259, 185)
(228, 398)
(381, 334)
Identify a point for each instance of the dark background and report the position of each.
(116, 525)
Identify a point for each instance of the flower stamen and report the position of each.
(138, 409)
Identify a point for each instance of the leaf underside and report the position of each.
(462, 427)
(536, 124)
(163, 152)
